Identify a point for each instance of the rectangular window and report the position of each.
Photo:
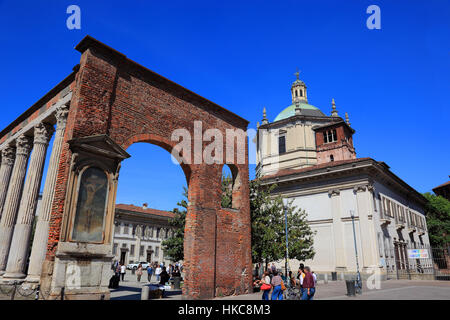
(115, 248)
(132, 250)
(157, 251)
(334, 135)
(325, 137)
(330, 136)
(281, 144)
(125, 229)
(388, 208)
(141, 251)
(157, 233)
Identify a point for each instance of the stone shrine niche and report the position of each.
(91, 193)
(88, 220)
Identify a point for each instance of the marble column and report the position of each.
(8, 156)
(23, 148)
(39, 247)
(18, 253)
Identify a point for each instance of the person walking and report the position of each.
(149, 273)
(277, 293)
(164, 276)
(139, 272)
(123, 270)
(300, 277)
(158, 273)
(265, 285)
(309, 287)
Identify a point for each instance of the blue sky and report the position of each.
(393, 82)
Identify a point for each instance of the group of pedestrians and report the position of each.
(274, 280)
(161, 272)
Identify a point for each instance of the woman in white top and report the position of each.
(265, 281)
(123, 269)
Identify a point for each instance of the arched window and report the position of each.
(296, 93)
(301, 93)
(331, 158)
(230, 187)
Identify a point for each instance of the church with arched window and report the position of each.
(311, 158)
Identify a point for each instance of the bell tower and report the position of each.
(298, 90)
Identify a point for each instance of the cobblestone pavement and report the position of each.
(389, 290)
(130, 289)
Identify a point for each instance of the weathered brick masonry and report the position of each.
(115, 96)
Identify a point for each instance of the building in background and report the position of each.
(311, 158)
(443, 190)
(138, 233)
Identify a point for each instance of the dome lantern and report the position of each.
(298, 90)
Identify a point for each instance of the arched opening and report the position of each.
(150, 186)
(230, 187)
(301, 93)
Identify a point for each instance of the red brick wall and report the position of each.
(131, 104)
(340, 149)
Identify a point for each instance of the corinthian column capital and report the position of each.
(43, 133)
(24, 145)
(61, 116)
(8, 155)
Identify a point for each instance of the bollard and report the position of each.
(350, 287)
(145, 292)
(334, 276)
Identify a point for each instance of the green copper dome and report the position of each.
(290, 111)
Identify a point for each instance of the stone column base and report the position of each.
(80, 270)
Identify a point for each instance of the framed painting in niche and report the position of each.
(91, 206)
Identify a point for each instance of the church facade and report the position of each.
(311, 158)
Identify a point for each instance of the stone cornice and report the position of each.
(41, 102)
(334, 192)
(377, 171)
(47, 116)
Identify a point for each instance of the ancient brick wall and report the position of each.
(117, 97)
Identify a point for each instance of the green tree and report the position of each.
(227, 191)
(268, 227)
(174, 246)
(438, 219)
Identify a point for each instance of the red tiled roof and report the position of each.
(442, 185)
(134, 208)
(286, 172)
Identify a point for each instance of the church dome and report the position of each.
(305, 109)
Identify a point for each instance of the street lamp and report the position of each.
(287, 244)
(358, 275)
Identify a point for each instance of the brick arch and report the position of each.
(164, 143)
(128, 103)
